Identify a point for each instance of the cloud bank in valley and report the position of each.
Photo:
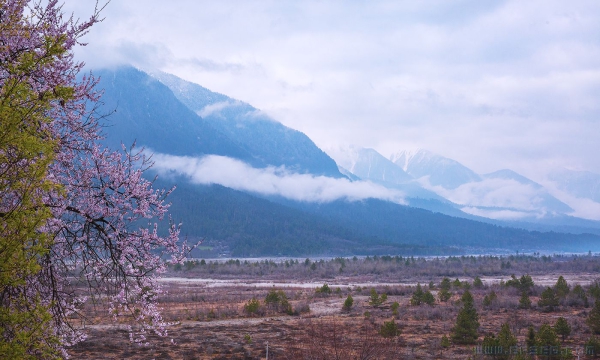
(273, 181)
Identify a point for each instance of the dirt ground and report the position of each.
(210, 322)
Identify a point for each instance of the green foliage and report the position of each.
(395, 305)
(524, 301)
(561, 288)
(579, 293)
(324, 290)
(595, 290)
(445, 343)
(546, 336)
(27, 149)
(389, 329)
(428, 298)
(500, 346)
(592, 347)
(530, 339)
(548, 300)
(277, 300)
(593, 319)
(376, 300)
(490, 298)
(417, 296)
(252, 306)
(444, 295)
(506, 337)
(272, 297)
(491, 346)
(421, 297)
(525, 283)
(445, 284)
(562, 327)
(467, 322)
(348, 303)
(247, 339)
(477, 283)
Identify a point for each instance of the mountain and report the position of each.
(156, 116)
(507, 174)
(368, 164)
(439, 171)
(264, 138)
(247, 225)
(542, 200)
(581, 184)
(147, 112)
(503, 194)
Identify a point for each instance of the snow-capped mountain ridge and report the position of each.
(503, 194)
(435, 169)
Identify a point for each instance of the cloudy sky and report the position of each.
(492, 84)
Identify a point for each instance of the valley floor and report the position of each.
(211, 320)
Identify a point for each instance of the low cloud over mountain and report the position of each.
(278, 181)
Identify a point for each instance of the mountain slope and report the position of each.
(146, 111)
(263, 137)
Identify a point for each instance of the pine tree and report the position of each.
(490, 298)
(592, 346)
(389, 329)
(546, 336)
(593, 320)
(530, 339)
(428, 298)
(445, 284)
(524, 301)
(395, 305)
(548, 300)
(562, 327)
(417, 296)
(376, 300)
(348, 303)
(467, 322)
(561, 288)
(579, 293)
(445, 342)
(444, 295)
(500, 346)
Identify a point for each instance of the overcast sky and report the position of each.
(492, 84)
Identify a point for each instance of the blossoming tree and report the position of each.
(73, 215)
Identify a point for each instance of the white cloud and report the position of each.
(500, 193)
(509, 84)
(215, 108)
(584, 208)
(496, 214)
(235, 174)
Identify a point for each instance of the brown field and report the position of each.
(210, 321)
